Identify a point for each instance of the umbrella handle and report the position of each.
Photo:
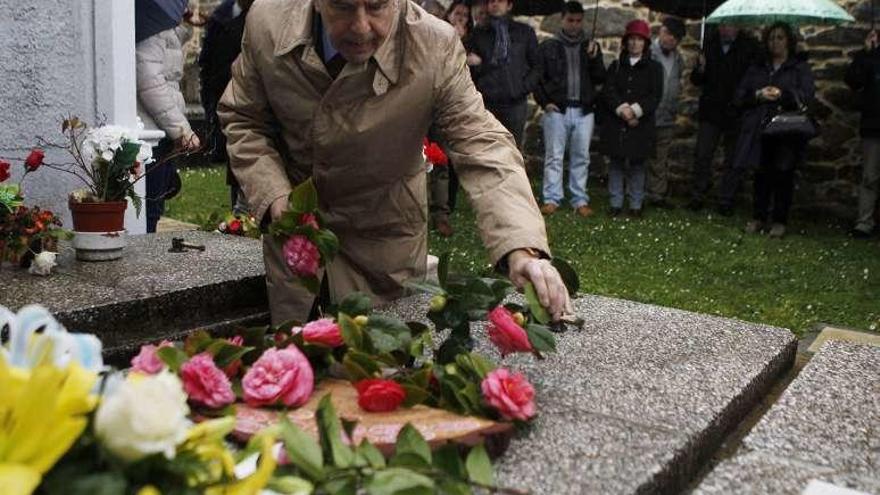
(596, 18)
(702, 32)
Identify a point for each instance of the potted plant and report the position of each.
(108, 160)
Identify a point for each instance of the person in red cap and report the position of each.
(629, 100)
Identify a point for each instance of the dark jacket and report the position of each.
(795, 79)
(640, 84)
(863, 76)
(553, 86)
(220, 47)
(511, 82)
(720, 77)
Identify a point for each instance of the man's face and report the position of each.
(499, 8)
(357, 27)
(668, 42)
(727, 33)
(572, 24)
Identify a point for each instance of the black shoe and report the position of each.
(634, 213)
(615, 212)
(859, 234)
(725, 210)
(662, 204)
(695, 205)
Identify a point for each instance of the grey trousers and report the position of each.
(870, 185)
(438, 193)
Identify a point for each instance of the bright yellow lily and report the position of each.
(256, 481)
(42, 413)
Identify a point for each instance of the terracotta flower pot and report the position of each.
(98, 217)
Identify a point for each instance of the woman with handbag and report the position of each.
(775, 129)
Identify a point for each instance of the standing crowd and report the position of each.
(632, 104)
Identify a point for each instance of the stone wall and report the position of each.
(828, 183)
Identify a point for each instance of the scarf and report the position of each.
(500, 53)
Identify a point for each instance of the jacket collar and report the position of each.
(297, 31)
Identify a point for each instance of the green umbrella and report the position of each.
(752, 12)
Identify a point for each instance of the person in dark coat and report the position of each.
(783, 81)
(863, 76)
(727, 55)
(572, 71)
(630, 98)
(220, 47)
(505, 66)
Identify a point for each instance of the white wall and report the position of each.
(58, 58)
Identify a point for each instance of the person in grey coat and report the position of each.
(664, 50)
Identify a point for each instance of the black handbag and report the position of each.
(791, 124)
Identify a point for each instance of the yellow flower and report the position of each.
(253, 484)
(149, 490)
(205, 441)
(42, 413)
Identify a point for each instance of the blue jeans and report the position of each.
(575, 129)
(632, 172)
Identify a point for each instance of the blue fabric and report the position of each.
(329, 50)
(154, 16)
(575, 130)
(629, 174)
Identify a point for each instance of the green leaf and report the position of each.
(399, 481)
(302, 450)
(371, 454)
(360, 366)
(569, 276)
(414, 395)
(172, 357)
(410, 441)
(197, 342)
(450, 348)
(448, 460)
(341, 486)
(447, 487)
(389, 334)
(290, 485)
(327, 243)
(311, 284)
(356, 304)
(443, 269)
(335, 451)
(226, 353)
(304, 197)
(535, 306)
(541, 338)
(409, 460)
(479, 467)
(351, 332)
(425, 287)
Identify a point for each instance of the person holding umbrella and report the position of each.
(781, 82)
(863, 76)
(159, 65)
(629, 100)
(728, 53)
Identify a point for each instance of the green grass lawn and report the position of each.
(699, 262)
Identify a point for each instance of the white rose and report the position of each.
(43, 263)
(144, 415)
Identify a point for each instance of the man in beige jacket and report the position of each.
(344, 91)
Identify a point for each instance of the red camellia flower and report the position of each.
(34, 160)
(4, 171)
(310, 220)
(435, 154)
(507, 336)
(377, 395)
(235, 226)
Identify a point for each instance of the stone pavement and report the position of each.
(636, 401)
(825, 426)
(150, 293)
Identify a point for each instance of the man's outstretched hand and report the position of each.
(552, 293)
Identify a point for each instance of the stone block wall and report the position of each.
(827, 184)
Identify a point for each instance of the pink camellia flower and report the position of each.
(147, 361)
(234, 366)
(205, 383)
(279, 376)
(309, 219)
(302, 256)
(506, 334)
(324, 331)
(510, 394)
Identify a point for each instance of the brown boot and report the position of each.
(443, 228)
(549, 209)
(584, 211)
